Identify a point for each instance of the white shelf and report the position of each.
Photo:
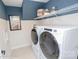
(61, 11)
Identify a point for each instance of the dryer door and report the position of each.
(49, 46)
(34, 36)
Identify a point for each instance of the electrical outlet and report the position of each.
(3, 52)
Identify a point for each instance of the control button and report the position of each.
(55, 30)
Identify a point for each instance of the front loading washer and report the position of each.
(34, 36)
(59, 42)
(35, 40)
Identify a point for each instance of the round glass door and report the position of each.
(34, 36)
(49, 46)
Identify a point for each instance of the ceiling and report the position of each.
(17, 3)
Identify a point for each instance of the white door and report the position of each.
(49, 46)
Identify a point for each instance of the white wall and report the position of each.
(67, 20)
(3, 32)
(23, 37)
(3, 24)
(4, 41)
(71, 19)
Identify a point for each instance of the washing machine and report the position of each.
(57, 42)
(35, 45)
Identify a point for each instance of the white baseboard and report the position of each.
(20, 46)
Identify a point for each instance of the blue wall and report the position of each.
(26, 12)
(2, 10)
(30, 8)
(60, 3)
(14, 11)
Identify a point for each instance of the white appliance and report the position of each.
(35, 44)
(57, 42)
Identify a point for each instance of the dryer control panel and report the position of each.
(47, 29)
(54, 30)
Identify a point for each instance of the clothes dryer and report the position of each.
(57, 42)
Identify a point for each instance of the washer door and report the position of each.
(49, 45)
(34, 36)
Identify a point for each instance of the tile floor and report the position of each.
(23, 53)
